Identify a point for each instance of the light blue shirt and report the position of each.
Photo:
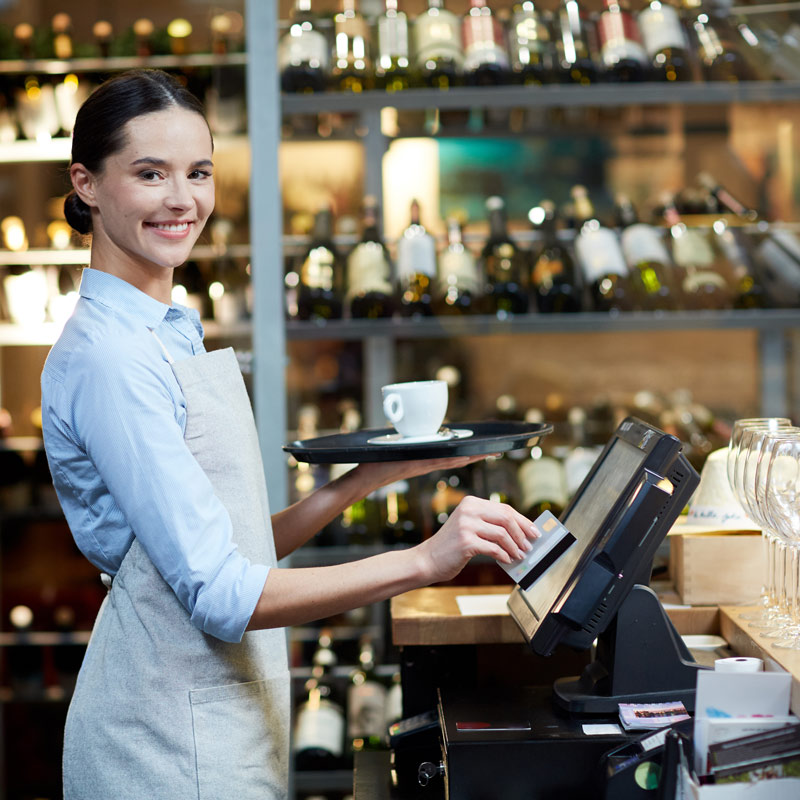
(113, 418)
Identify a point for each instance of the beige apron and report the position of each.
(162, 710)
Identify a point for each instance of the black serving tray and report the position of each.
(352, 448)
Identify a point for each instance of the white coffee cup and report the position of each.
(416, 408)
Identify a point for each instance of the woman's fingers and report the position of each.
(499, 517)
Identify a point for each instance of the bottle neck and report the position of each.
(497, 224)
(323, 227)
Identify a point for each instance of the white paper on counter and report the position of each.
(482, 605)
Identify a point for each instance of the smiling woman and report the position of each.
(147, 200)
(184, 689)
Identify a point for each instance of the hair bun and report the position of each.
(78, 214)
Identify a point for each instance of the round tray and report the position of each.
(353, 448)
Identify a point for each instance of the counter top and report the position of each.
(745, 641)
(431, 616)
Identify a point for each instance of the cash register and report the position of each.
(538, 742)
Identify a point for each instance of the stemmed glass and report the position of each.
(756, 460)
(738, 447)
(781, 503)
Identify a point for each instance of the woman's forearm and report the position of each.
(476, 527)
(298, 523)
(300, 595)
(294, 526)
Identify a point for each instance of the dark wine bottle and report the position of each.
(366, 703)
(303, 52)
(319, 722)
(715, 39)
(555, 282)
(319, 295)
(503, 266)
(370, 285)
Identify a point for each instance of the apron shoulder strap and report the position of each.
(167, 354)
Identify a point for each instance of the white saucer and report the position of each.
(443, 436)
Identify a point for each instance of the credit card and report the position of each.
(554, 540)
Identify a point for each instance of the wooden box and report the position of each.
(717, 568)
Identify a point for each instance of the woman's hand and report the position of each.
(476, 527)
(382, 473)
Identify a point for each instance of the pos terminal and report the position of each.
(538, 742)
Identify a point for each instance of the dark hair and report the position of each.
(99, 126)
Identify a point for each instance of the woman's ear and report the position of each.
(83, 183)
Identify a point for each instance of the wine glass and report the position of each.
(740, 428)
(760, 444)
(781, 502)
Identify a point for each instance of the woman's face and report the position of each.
(154, 196)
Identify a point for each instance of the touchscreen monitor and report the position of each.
(619, 515)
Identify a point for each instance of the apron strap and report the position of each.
(167, 355)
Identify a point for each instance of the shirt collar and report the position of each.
(120, 295)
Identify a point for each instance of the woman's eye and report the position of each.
(199, 174)
(149, 175)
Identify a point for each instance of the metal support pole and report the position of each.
(773, 362)
(266, 228)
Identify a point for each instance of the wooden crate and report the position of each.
(717, 568)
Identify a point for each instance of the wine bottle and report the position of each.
(503, 266)
(303, 52)
(229, 287)
(621, 49)
(702, 285)
(392, 68)
(352, 64)
(774, 260)
(542, 486)
(370, 289)
(25, 660)
(555, 282)
(647, 257)
(34, 99)
(732, 243)
(714, 39)
(103, 33)
(448, 490)
(190, 288)
(665, 41)
(599, 253)
(416, 267)
(319, 723)
(574, 46)
(439, 51)
(725, 200)
(532, 51)
(459, 284)
(366, 703)
(225, 92)
(359, 523)
(319, 295)
(400, 513)
(143, 30)
(485, 52)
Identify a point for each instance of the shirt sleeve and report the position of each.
(128, 415)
